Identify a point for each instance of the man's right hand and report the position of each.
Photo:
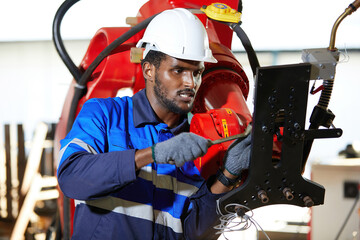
(180, 149)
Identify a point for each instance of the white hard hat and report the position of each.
(179, 34)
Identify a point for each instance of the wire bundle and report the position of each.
(236, 219)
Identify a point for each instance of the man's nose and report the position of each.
(190, 81)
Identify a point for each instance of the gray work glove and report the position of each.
(237, 157)
(182, 148)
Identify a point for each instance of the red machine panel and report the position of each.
(215, 124)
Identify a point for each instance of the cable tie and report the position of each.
(345, 54)
(234, 25)
(79, 86)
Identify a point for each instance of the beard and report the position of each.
(161, 94)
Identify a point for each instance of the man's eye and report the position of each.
(178, 70)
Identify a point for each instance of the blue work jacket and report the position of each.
(113, 200)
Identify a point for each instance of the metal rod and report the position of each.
(349, 10)
(233, 137)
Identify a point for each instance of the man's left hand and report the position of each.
(237, 157)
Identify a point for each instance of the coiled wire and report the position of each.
(237, 218)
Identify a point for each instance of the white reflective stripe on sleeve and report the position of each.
(165, 219)
(167, 182)
(80, 143)
(137, 210)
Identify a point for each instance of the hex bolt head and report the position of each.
(288, 194)
(263, 196)
(308, 201)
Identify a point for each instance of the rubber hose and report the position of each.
(240, 6)
(78, 94)
(126, 36)
(254, 62)
(323, 103)
(80, 89)
(326, 93)
(57, 39)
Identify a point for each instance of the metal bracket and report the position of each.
(323, 62)
(281, 94)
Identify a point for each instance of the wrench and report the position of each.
(241, 135)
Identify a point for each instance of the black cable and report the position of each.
(112, 46)
(348, 216)
(320, 109)
(240, 6)
(57, 39)
(254, 62)
(79, 92)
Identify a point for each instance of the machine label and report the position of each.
(225, 127)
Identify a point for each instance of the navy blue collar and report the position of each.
(144, 114)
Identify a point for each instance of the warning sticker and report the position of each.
(225, 127)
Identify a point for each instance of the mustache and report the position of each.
(187, 90)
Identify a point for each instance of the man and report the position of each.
(128, 162)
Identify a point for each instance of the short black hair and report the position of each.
(154, 57)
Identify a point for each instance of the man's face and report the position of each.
(176, 83)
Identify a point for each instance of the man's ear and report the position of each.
(148, 71)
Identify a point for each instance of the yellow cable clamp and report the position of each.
(221, 12)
